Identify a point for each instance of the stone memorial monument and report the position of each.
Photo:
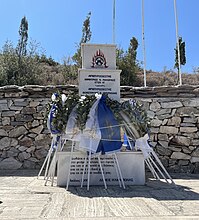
(98, 73)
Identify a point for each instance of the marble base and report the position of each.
(131, 165)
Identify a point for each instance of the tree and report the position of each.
(127, 62)
(23, 38)
(182, 54)
(86, 36)
(8, 64)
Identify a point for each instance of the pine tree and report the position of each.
(127, 62)
(23, 38)
(182, 54)
(86, 36)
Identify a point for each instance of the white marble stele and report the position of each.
(131, 165)
(98, 73)
(88, 52)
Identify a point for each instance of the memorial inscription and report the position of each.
(98, 73)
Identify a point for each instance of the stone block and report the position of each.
(186, 150)
(194, 160)
(156, 123)
(172, 162)
(183, 162)
(187, 111)
(21, 102)
(29, 164)
(17, 123)
(191, 135)
(163, 151)
(18, 131)
(4, 107)
(195, 153)
(192, 148)
(30, 149)
(154, 106)
(33, 159)
(4, 142)
(181, 140)
(195, 142)
(174, 121)
(23, 118)
(162, 117)
(22, 148)
(163, 137)
(26, 142)
(28, 110)
(168, 130)
(38, 116)
(175, 148)
(35, 123)
(164, 111)
(176, 104)
(5, 121)
(10, 164)
(189, 120)
(3, 133)
(188, 129)
(154, 130)
(192, 103)
(42, 142)
(16, 108)
(38, 129)
(165, 121)
(150, 114)
(24, 156)
(3, 101)
(187, 125)
(14, 142)
(41, 153)
(43, 108)
(180, 156)
(164, 143)
(8, 113)
(34, 103)
(13, 152)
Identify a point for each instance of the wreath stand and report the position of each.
(88, 157)
(151, 159)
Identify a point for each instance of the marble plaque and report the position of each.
(131, 165)
(103, 81)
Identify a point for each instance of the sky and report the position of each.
(57, 26)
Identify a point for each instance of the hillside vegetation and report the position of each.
(25, 64)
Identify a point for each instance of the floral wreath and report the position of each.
(130, 114)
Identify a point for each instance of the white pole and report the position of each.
(178, 46)
(143, 44)
(113, 22)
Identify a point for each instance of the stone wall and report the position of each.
(174, 113)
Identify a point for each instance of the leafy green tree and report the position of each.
(127, 62)
(10, 69)
(8, 64)
(86, 36)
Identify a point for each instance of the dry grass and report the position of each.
(167, 79)
(54, 75)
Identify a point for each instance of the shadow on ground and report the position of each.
(153, 189)
(187, 188)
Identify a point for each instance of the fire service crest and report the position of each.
(99, 60)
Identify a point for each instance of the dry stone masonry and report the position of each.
(174, 114)
(24, 138)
